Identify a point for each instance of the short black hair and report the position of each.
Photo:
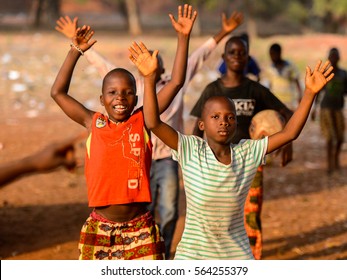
(203, 105)
(334, 51)
(236, 39)
(119, 70)
(276, 48)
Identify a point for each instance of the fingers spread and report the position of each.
(319, 63)
(179, 12)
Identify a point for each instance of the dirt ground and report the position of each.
(304, 212)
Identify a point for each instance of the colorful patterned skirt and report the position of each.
(138, 239)
(253, 206)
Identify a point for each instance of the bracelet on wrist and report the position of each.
(77, 48)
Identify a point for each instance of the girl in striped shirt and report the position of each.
(217, 174)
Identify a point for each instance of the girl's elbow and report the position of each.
(54, 93)
(178, 84)
(152, 125)
(292, 137)
(290, 134)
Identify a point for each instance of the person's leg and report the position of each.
(337, 155)
(168, 181)
(340, 132)
(154, 187)
(326, 124)
(330, 156)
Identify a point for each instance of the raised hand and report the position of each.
(185, 20)
(67, 26)
(82, 38)
(145, 62)
(321, 75)
(231, 23)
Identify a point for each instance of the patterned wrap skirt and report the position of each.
(138, 239)
(253, 207)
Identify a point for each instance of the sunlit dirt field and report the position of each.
(304, 211)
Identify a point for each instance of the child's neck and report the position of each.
(116, 122)
(232, 79)
(221, 152)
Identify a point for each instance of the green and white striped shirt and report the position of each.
(216, 194)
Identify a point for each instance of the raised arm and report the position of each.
(147, 65)
(298, 86)
(201, 54)
(228, 25)
(183, 26)
(314, 81)
(67, 26)
(51, 157)
(59, 92)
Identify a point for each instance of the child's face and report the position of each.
(218, 120)
(119, 96)
(275, 56)
(236, 56)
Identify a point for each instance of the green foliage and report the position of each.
(297, 12)
(337, 8)
(266, 8)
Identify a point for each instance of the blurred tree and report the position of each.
(130, 10)
(333, 14)
(132, 14)
(45, 12)
(266, 9)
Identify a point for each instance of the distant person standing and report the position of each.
(252, 69)
(331, 112)
(282, 78)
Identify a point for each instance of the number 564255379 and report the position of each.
(213, 270)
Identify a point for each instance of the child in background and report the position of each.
(217, 174)
(252, 70)
(282, 78)
(118, 156)
(332, 120)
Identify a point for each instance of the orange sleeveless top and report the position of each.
(118, 161)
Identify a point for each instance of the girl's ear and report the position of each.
(201, 125)
(102, 100)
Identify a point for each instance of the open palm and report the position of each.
(67, 26)
(320, 76)
(145, 62)
(82, 38)
(231, 23)
(185, 20)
